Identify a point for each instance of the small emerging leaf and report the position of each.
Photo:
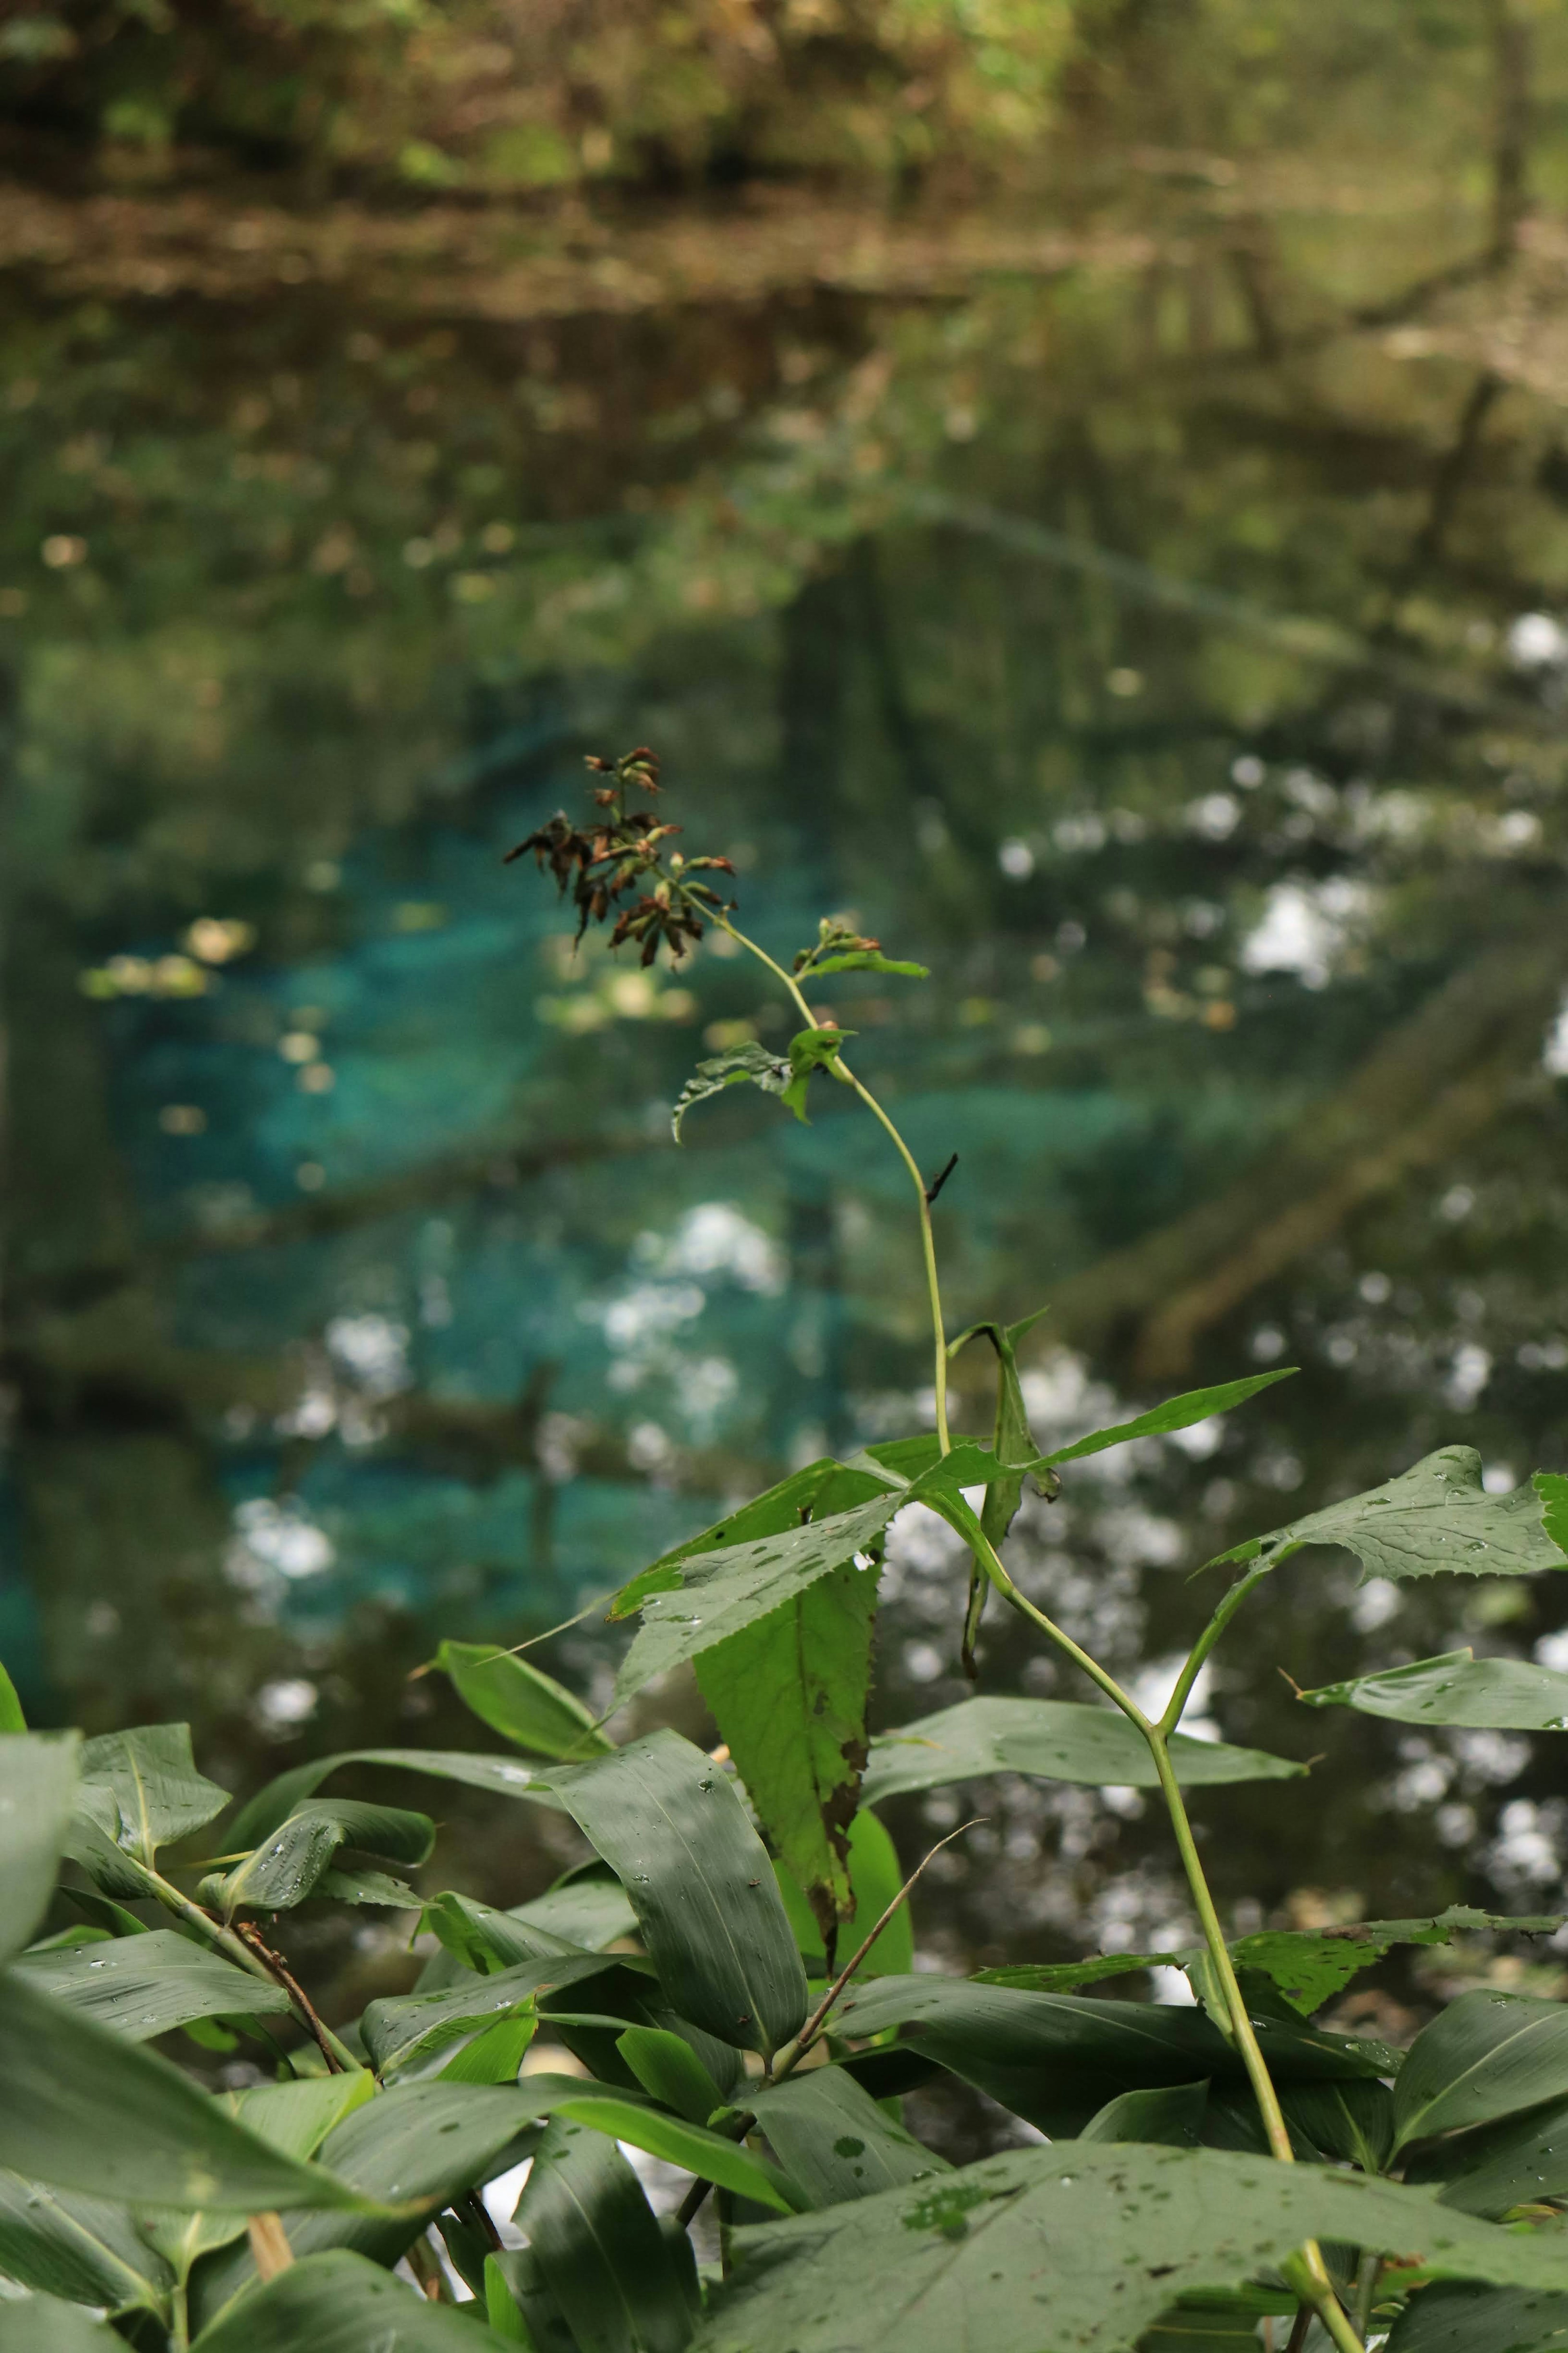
(738, 1066)
(809, 1050)
(520, 1701)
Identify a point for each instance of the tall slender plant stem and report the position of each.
(846, 1076)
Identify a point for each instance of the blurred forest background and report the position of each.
(1085, 488)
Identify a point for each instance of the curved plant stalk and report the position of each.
(1305, 2271)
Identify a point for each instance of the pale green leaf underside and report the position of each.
(1059, 1740)
(1016, 2253)
(1502, 1694)
(1435, 1518)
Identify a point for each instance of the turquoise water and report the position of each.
(1188, 699)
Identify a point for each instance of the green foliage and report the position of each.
(1200, 2154)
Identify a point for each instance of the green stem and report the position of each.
(1229, 1606)
(842, 1071)
(179, 2319)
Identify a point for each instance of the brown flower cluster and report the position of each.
(624, 850)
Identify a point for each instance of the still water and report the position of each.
(1161, 633)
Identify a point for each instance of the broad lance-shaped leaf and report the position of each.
(1016, 2253)
(402, 2028)
(1059, 1740)
(1456, 2318)
(667, 1821)
(749, 1064)
(38, 1792)
(1487, 2055)
(504, 1776)
(89, 2110)
(338, 2303)
(834, 2142)
(161, 1794)
(1435, 1517)
(142, 1986)
(789, 1694)
(1501, 1694)
(57, 2243)
(1519, 2160)
(520, 1701)
(601, 2252)
(288, 1864)
(691, 2147)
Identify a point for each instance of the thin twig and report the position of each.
(479, 2213)
(813, 2024)
(1299, 2334)
(337, 2059)
(935, 1187)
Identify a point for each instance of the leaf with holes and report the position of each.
(834, 2142)
(1435, 1518)
(789, 1694)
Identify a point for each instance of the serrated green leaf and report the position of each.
(834, 2142)
(143, 1986)
(599, 2249)
(876, 1876)
(1504, 1694)
(1435, 1518)
(288, 1864)
(338, 2303)
(89, 2110)
(520, 1701)
(789, 1694)
(160, 1794)
(1453, 2317)
(867, 960)
(1176, 1413)
(667, 1821)
(1065, 1976)
(817, 1491)
(1310, 1966)
(1486, 2055)
(1003, 2252)
(504, 1776)
(57, 2243)
(1059, 1740)
(37, 1794)
(748, 1064)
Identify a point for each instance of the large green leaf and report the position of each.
(38, 1792)
(1507, 1694)
(293, 2117)
(667, 1821)
(817, 1489)
(504, 1777)
(1019, 2253)
(291, 1859)
(87, 2109)
(1486, 2055)
(691, 2147)
(1456, 2317)
(789, 1696)
(1059, 1740)
(41, 2324)
(57, 2243)
(1515, 2162)
(402, 2028)
(520, 1701)
(338, 2303)
(876, 1876)
(834, 2142)
(142, 1986)
(721, 1591)
(1434, 1517)
(1176, 1413)
(1055, 2059)
(601, 2254)
(161, 1794)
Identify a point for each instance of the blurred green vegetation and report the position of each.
(504, 96)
